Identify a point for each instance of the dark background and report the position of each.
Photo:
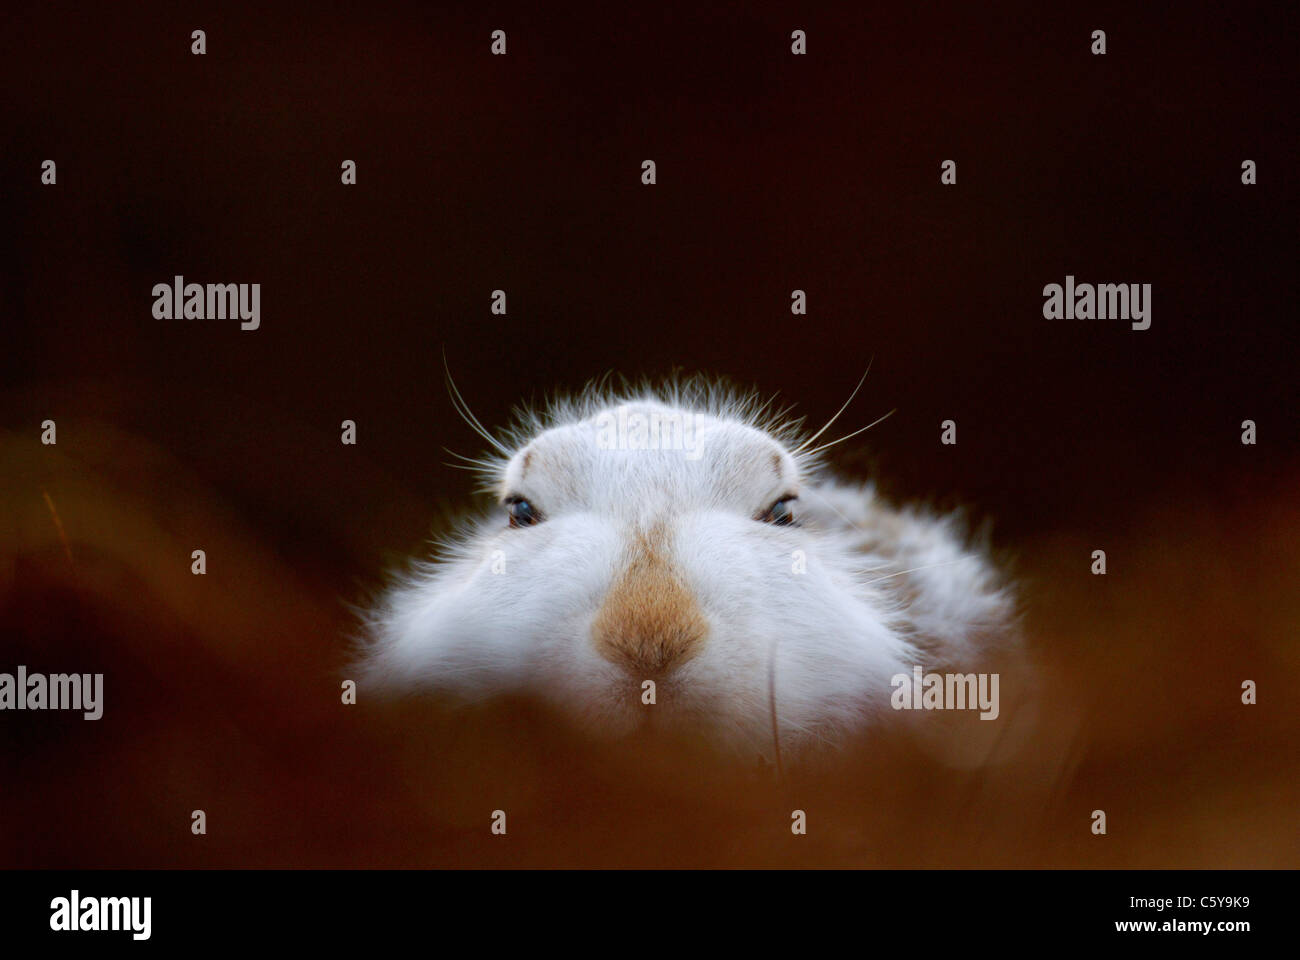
(522, 172)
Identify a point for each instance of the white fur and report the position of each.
(828, 639)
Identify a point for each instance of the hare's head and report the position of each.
(675, 558)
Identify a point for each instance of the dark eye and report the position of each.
(780, 513)
(522, 513)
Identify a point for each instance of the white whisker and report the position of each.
(941, 563)
(850, 436)
(467, 414)
(801, 446)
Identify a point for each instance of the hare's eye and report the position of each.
(522, 513)
(780, 513)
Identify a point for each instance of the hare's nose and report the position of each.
(650, 622)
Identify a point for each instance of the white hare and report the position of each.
(679, 557)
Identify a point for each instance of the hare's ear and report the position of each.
(953, 596)
(958, 599)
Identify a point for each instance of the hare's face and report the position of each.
(652, 566)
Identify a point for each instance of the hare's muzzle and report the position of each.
(649, 622)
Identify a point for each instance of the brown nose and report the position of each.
(649, 623)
